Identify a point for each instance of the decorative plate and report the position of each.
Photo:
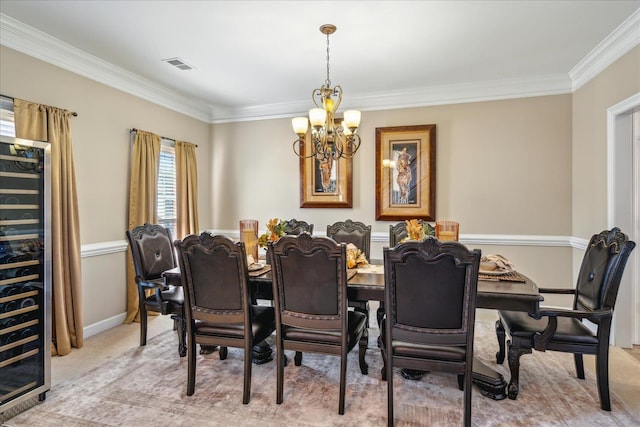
(496, 272)
(256, 266)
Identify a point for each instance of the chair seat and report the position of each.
(262, 318)
(444, 353)
(173, 297)
(523, 327)
(356, 324)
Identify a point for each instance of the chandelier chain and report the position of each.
(328, 81)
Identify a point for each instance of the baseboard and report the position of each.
(104, 325)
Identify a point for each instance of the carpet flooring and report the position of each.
(146, 386)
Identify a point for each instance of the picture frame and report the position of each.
(335, 190)
(406, 172)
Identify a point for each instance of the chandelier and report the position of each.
(330, 138)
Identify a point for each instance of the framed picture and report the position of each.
(406, 172)
(325, 182)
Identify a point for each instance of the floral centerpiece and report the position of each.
(355, 257)
(416, 230)
(275, 230)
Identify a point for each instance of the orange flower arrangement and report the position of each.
(355, 257)
(275, 230)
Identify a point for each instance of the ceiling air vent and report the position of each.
(179, 63)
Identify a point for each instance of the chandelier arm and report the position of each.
(355, 144)
(299, 142)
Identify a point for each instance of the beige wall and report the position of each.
(589, 153)
(503, 167)
(101, 155)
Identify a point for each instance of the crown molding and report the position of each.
(28, 40)
(417, 97)
(613, 47)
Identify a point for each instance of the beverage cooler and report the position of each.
(25, 271)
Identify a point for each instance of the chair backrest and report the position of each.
(151, 250)
(215, 278)
(296, 227)
(601, 270)
(398, 232)
(354, 232)
(310, 282)
(430, 290)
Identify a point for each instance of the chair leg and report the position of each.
(602, 372)
(383, 371)
(362, 350)
(467, 398)
(181, 328)
(343, 381)
(577, 357)
(223, 353)
(246, 391)
(143, 325)
(191, 366)
(280, 358)
(297, 359)
(500, 333)
(389, 377)
(514, 367)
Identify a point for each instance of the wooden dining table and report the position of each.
(368, 285)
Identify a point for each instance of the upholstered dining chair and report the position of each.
(359, 234)
(398, 232)
(355, 232)
(296, 227)
(310, 296)
(430, 298)
(218, 303)
(152, 254)
(560, 329)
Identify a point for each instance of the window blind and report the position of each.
(167, 186)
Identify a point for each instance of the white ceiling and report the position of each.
(257, 59)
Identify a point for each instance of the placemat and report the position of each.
(512, 276)
(260, 272)
(351, 273)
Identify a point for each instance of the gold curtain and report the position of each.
(143, 184)
(30, 120)
(186, 189)
(34, 121)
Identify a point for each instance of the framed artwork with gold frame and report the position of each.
(406, 172)
(324, 182)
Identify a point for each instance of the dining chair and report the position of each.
(398, 231)
(430, 299)
(295, 227)
(152, 254)
(355, 232)
(310, 296)
(218, 303)
(359, 234)
(563, 329)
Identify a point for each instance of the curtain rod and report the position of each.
(163, 137)
(73, 113)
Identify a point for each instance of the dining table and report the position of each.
(515, 292)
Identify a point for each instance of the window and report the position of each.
(167, 186)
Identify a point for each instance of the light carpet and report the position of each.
(146, 386)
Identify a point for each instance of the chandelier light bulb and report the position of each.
(317, 117)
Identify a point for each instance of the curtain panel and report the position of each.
(143, 184)
(186, 189)
(44, 123)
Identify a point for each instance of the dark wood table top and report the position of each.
(499, 295)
